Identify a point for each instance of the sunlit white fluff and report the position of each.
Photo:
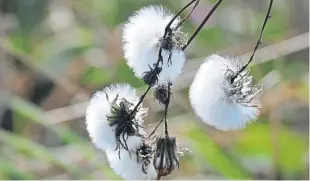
(141, 37)
(100, 132)
(128, 167)
(219, 103)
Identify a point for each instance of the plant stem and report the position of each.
(166, 109)
(258, 42)
(183, 20)
(202, 23)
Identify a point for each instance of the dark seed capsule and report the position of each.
(167, 43)
(151, 77)
(166, 157)
(161, 94)
(144, 156)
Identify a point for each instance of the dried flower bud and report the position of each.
(166, 156)
(145, 155)
(151, 77)
(175, 40)
(124, 121)
(161, 94)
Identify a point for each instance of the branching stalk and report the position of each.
(259, 42)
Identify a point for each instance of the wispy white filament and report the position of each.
(219, 103)
(100, 132)
(128, 167)
(141, 37)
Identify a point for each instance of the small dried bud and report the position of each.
(167, 43)
(161, 94)
(174, 41)
(241, 89)
(151, 77)
(166, 156)
(144, 155)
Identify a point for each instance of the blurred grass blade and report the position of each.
(37, 115)
(213, 155)
(33, 149)
(256, 140)
(9, 172)
(67, 135)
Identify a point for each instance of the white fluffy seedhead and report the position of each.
(217, 101)
(99, 109)
(142, 37)
(132, 167)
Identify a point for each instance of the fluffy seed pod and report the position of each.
(166, 156)
(143, 37)
(109, 121)
(218, 101)
(136, 166)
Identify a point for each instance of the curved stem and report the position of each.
(140, 100)
(258, 41)
(164, 118)
(202, 23)
(168, 28)
(183, 20)
(166, 109)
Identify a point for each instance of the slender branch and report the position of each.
(259, 42)
(164, 118)
(140, 100)
(184, 19)
(166, 109)
(203, 23)
(168, 27)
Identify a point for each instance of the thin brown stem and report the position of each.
(156, 128)
(259, 42)
(168, 27)
(184, 19)
(166, 109)
(164, 118)
(140, 100)
(202, 23)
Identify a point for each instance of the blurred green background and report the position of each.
(54, 54)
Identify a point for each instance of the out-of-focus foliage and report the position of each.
(54, 54)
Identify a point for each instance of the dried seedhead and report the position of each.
(145, 154)
(124, 120)
(161, 93)
(174, 40)
(241, 89)
(151, 77)
(166, 156)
